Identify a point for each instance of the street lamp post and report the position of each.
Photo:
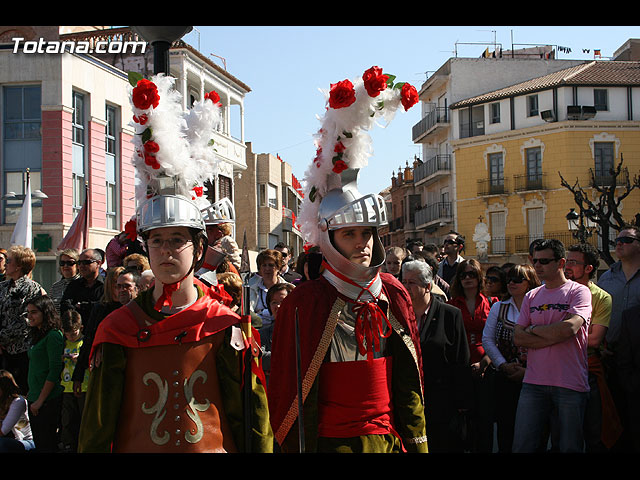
(576, 223)
(161, 39)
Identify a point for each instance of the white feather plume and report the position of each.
(355, 120)
(183, 139)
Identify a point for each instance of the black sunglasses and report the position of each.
(67, 263)
(492, 279)
(516, 280)
(626, 239)
(471, 274)
(544, 261)
(86, 262)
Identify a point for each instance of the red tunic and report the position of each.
(314, 301)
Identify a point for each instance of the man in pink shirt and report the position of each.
(553, 324)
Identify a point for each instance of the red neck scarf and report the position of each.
(165, 298)
(370, 318)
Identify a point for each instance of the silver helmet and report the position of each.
(344, 207)
(221, 211)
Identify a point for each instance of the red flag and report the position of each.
(78, 235)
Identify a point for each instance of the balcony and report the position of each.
(437, 117)
(500, 246)
(525, 183)
(494, 186)
(598, 177)
(436, 212)
(522, 242)
(432, 169)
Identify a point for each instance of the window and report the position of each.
(21, 148)
(272, 198)
(78, 153)
(495, 112)
(225, 187)
(600, 99)
(111, 169)
(498, 228)
(496, 173)
(603, 152)
(532, 105)
(534, 168)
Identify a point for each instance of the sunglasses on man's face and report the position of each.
(492, 279)
(626, 239)
(86, 262)
(543, 261)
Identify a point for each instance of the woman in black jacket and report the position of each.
(445, 361)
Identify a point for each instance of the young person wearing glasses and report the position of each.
(453, 245)
(508, 360)
(552, 325)
(175, 370)
(466, 294)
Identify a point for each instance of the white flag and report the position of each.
(22, 231)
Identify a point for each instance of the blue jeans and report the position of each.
(537, 407)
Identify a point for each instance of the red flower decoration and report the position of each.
(339, 166)
(213, 96)
(142, 119)
(151, 147)
(408, 96)
(198, 191)
(374, 81)
(342, 94)
(145, 95)
(339, 148)
(130, 229)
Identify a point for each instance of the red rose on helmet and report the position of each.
(198, 191)
(151, 147)
(339, 166)
(213, 96)
(374, 81)
(339, 148)
(408, 96)
(145, 95)
(342, 94)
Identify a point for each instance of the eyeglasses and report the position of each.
(124, 286)
(67, 263)
(471, 274)
(86, 262)
(626, 239)
(492, 279)
(449, 242)
(516, 280)
(573, 263)
(544, 261)
(174, 243)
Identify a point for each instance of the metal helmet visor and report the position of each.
(169, 211)
(369, 210)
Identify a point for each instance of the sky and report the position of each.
(286, 66)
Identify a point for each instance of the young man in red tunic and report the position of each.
(360, 376)
(174, 371)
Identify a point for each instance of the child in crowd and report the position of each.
(71, 404)
(15, 429)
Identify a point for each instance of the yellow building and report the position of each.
(512, 144)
